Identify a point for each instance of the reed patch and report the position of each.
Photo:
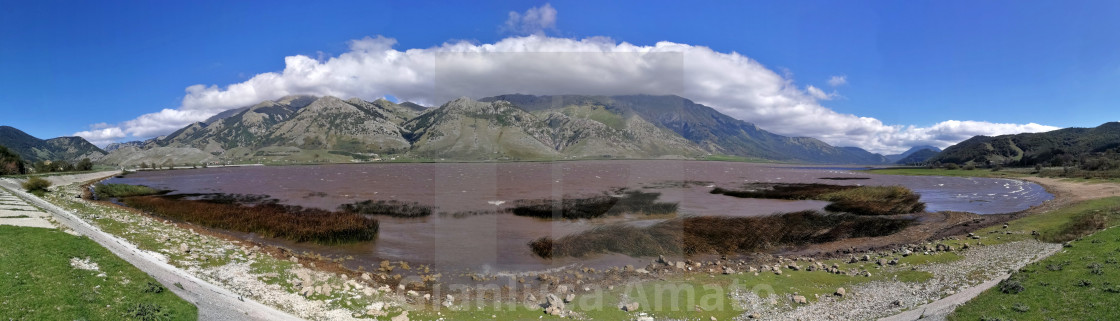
(861, 200)
(107, 191)
(616, 203)
(718, 235)
(266, 218)
(388, 208)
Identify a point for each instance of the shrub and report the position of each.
(1011, 285)
(153, 287)
(147, 312)
(952, 166)
(1095, 269)
(36, 184)
(969, 167)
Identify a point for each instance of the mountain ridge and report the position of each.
(33, 149)
(507, 127)
(1053, 148)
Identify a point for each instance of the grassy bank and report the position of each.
(41, 282)
(1052, 289)
(861, 200)
(267, 219)
(717, 235)
(1080, 283)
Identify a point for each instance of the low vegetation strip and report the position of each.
(624, 201)
(861, 200)
(267, 219)
(1080, 283)
(50, 275)
(388, 208)
(718, 235)
(107, 191)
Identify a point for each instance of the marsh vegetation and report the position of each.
(718, 235)
(107, 191)
(247, 213)
(622, 201)
(388, 208)
(861, 200)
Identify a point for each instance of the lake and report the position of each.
(498, 242)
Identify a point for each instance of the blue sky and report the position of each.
(65, 66)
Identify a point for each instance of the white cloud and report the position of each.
(534, 21)
(102, 136)
(837, 81)
(820, 94)
(536, 64)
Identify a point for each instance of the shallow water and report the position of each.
(497, 242)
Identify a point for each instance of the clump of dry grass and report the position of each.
(718, 235)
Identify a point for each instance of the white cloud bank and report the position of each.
(536, 64)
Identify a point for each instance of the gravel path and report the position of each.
(214, 302)
(952, 284)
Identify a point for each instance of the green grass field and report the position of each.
(37, 281)
(1081, 282)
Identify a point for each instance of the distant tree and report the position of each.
(63, 166)
(143, 165)
(10, 162)
(85, 165)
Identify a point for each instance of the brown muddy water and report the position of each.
(495, 243)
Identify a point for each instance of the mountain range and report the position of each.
(301, 129)
(508, 127)
(31, 149)
(1055, 148)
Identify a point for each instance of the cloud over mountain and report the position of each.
(537, 64)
